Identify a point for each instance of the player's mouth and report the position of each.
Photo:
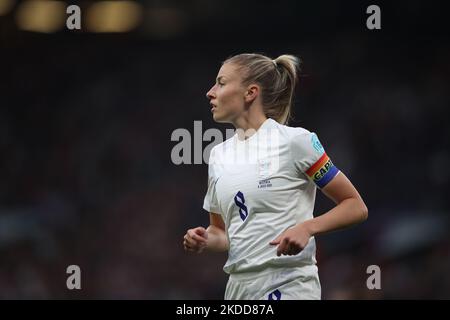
(213, 107)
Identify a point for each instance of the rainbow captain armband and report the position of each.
(322, 171)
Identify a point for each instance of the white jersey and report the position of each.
(262, 186)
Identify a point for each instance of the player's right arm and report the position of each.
(213, 238)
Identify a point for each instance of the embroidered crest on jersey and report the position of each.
(239, 200)
(264, 168)
(322, 171)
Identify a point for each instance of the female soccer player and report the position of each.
(262, 185)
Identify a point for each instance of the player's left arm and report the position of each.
(350, 209)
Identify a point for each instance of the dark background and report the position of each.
(86, 118)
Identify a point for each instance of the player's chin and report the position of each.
(218, 117)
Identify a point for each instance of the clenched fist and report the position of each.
(195, 240)
(292, 241)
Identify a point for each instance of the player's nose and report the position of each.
(211, 94)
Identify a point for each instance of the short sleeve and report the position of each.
(210, 202)
(311, 159)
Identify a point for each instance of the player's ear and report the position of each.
(251, 93)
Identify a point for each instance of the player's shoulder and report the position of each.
(219, 150)
(295, 134)
(302, 140)
(222, 145)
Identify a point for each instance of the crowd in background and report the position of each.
(86, 176)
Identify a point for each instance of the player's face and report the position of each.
(227, 95)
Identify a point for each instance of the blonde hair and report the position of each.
(277, 79)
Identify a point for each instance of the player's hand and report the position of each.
(195, 240)
(292, 241)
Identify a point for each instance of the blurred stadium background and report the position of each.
(86, 118)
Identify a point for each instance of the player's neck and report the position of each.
(249, 124)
